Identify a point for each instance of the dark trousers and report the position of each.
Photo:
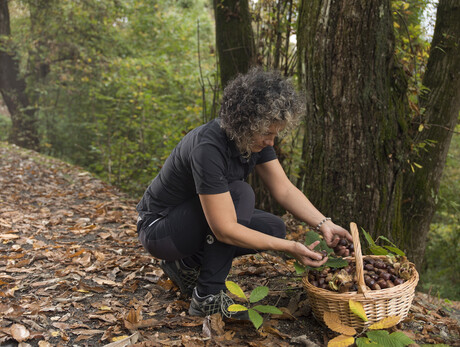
(184, 234)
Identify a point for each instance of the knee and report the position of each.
(279, 228)
(242, 191)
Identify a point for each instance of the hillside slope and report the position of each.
(73, 273)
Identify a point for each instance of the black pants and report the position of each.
(184, 234)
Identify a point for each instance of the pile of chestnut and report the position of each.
(344, 248)
(379, 273)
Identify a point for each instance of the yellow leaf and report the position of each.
(105, 308)
(341, 341)
(332, 320)
(237, 308)
(235, 289)
(406, 6)
(358, 309)
(385, 323)
(118, 338)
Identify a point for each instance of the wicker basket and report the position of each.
(378, 304)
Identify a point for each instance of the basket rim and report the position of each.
(371, 294)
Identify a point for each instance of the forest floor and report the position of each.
(72, 273)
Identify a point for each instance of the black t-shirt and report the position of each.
(205, 161)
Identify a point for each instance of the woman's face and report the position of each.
(266, 138)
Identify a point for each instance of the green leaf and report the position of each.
(377, 250)
(299, 268)
(258, 294)
(368, 237)
(255, 318)
(387, 240)
(399, 336)
(381, 337)
(336, 262)
(364, 342)
(311, 236)
(358, 309)
(395, 250)
(268, 309)
(237, 308)
(235, 289)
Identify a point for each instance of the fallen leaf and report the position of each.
(385, 323)
(332, 320)
(19, 332)
(341, 341)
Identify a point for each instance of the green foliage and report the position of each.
(387, 249)
(5, 126)
(256, 295)
(115, 82)
(384, 338)
(439, 274)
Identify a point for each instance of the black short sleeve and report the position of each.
(209, 167)
(267, 154)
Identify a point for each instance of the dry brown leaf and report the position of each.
(332, 320)
(8, 237)
(286, 314)
(19, 332)
(134, 315)
(90, 332)
(109, 318)
(271, 330)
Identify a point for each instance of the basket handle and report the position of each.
(359, 259)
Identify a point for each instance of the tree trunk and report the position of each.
(442, 104)
(234, 38)
(13, 89)
(357, 113)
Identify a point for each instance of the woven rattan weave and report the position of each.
(378, 304)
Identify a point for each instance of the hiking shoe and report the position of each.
(214, 303)
(181, 275)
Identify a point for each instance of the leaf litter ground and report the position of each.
(72, 273)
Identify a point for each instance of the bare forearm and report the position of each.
(238, 235)
(298, 204)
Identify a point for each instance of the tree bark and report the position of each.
(442, 105)
(24, 131)
(357, 114)
(234, 38)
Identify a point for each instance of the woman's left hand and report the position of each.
(332, 234)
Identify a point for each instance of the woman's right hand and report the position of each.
(306, 255)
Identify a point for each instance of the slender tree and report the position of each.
(358, 126)
(234, 38)
(441, 102)
(13, 89)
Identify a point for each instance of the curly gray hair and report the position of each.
(252, 102)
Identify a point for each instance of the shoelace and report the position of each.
(219, 301)
(225, 302)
